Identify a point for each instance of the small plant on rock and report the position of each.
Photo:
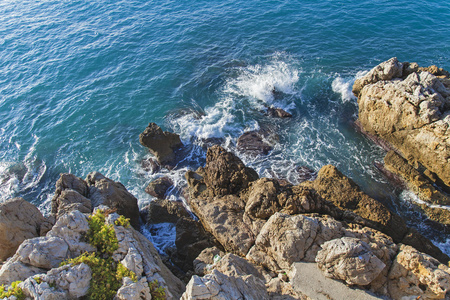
(13, 290)
(157, 292)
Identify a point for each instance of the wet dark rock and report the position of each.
(278, 113)
(150, 165)
(159, 187)
(163, 211)
(253, 143)
(304, 173)
(162, 144)
(209, 142)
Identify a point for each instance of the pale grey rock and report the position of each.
(43, 252)
(219, 286)
(74, 279)
(42, 291)
(71, 228)
(133, 261)
(19, 220)
(14, 270)
(131, 290)
(204, 261)
(349, 259)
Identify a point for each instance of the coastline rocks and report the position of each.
(411, 113)
(104, 191)
(349, 259)
(163, 211)
(159, 187)
(162, 144)
(417, 275)
(19, 220)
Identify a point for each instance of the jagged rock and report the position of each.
(41, 291)
(70, 190)
(161, 144)
(416, 275)
(131, 290)
(158, 187)
(74, 280)
(253, 143)
(113, 194)
(278, 113)
(416, 181)
(150, 165)
(14, 270)
(205, 260)
(384, 71)
(72, 228)
(19, 220)
(349, 259)
(332, 185)
(225, 173)
(285, 239)
(219, 286)
(412, 114)
(43, 252)
(163, 211)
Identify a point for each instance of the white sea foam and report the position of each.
(410, 197)
(343, 86)
(162, 235)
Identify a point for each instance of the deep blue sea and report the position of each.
(79, 80)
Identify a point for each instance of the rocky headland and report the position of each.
(242, 236)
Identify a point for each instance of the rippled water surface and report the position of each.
(81, 79)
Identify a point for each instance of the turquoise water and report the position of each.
(81, 79)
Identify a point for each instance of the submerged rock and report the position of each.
(255, 143)
(278, 113)
(162, 144)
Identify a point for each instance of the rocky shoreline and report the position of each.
(249, 237)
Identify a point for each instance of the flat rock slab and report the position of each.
(309, 280)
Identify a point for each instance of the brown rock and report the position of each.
(333, 186)
(69, 182)
(113, 194)
(158, 187)
(19, 220)
(150, 165)
(253, 143)
(160, 143)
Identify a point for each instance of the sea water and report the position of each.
(79, 80)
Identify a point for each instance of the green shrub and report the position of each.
(107, 274)
(122, 221)
(157, 292)
(13, 290)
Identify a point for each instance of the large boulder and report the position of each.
(161, 143)
(411, 113)
(113, 194)
(19, 220)
(159, 187)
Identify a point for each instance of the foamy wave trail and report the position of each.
(343, 86)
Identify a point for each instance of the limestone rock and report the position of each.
(113, 194)
(160, 143)
(417, 275)
(131, 290)
(14, 270)
(349, 259)
(19, 220)
(412, 114)
(204, 261)
(384, 71)
(41, 291)
(159, 187)
(219, 286)
(74, 280)
(43, 252)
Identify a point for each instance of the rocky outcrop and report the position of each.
(161, 144)
(104, 191)
(409, 107)
(278, 113)
(163, 211)
(19, 220)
